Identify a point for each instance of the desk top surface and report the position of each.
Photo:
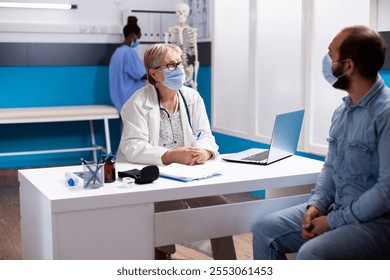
(235, 178)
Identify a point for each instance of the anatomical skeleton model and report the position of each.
(185, 37)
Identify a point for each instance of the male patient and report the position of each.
(348, 213)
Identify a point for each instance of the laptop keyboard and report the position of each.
(258, 157)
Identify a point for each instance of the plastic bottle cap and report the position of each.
(71, 182)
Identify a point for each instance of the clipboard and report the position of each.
(187, 173)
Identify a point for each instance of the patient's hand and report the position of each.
(308, 226)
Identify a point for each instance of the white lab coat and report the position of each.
(141, 126)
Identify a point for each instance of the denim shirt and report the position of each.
(354, 184)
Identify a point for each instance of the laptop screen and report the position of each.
(285, 135)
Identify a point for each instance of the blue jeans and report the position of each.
(280, 232)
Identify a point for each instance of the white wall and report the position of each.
(383, 15)
(327, 18)
(230, 61)
(92, 22)
(267, 57)
(278, 62)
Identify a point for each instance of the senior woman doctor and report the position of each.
(165, 122)
(162, 121)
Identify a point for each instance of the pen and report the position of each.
(86, 163)
(99, 155)
(95, 174)
(198, 136)
(107, 157)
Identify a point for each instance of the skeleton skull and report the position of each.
(182, 12)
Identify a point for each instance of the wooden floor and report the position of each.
(10, 248)
(242, 243)
(9, 216)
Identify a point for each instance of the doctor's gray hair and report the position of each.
(154, 56)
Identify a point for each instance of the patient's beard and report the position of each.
(343, 82)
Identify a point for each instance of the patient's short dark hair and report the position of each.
(366, 48)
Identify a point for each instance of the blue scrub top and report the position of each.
(125, 72)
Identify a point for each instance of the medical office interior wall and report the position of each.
(60, 58)
(267, 58)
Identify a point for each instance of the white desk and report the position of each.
(119, 223)
(61, 114)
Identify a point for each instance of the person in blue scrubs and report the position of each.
(127, 73)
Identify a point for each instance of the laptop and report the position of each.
(284, 141)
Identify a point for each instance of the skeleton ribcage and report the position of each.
(186, 40)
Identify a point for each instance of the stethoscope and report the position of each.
(169, 116)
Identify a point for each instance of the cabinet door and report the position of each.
(123, 232)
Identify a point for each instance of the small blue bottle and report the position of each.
(71, 179)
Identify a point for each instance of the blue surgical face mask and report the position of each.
(134, 43)
(174, 79)
(327, 70)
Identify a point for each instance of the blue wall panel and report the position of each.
(34, 86)
(31, 86)
(385, 74)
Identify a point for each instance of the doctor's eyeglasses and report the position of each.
(170, 66)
